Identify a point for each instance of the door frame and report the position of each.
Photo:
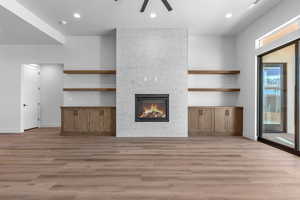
(294, 150)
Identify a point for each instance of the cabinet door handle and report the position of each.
(200, 112)
(227, 113)
(76, 113)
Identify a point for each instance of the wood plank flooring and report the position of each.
(41, 165)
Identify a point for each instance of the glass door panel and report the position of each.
(277, 91)
(274, 93)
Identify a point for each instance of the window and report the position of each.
(283, 30)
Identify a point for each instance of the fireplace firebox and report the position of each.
(152, 108)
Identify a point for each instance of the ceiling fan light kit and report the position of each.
(165, 2)
(167, 5)
(144, 6)
(146, 2)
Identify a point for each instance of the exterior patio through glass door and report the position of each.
(274, 94)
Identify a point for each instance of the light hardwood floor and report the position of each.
(41, 165)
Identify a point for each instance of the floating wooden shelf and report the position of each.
(89, 89)
(90, 71)
(214, 90)
(222, 72)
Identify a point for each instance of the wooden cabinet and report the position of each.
(68, 118)
(201, 121)
(89, 121)
(96, 120)
(82, 120)
(228, 121)
(222, 121)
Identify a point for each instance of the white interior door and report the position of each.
(31, 97)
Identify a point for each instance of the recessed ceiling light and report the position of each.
(63, 22)
(77, 15)
(153, 15)
(228, 15)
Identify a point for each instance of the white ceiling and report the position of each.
(101, 16)
(13, 30)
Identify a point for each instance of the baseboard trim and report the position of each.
(3, 132)
(174, 137)
(49, 125)
(31, 129)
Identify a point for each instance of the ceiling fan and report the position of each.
(165, 2)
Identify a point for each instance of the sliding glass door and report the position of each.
(298, 96)
(278, 100)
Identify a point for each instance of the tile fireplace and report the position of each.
(152, 61)
(152, 107)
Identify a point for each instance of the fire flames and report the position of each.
(152, 111)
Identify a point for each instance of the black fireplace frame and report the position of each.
(164, 97)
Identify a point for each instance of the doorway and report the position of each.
(42, 95)
(278, 97)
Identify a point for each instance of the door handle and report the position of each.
(25, 105)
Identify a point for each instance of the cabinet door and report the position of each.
(206, 121)
(235, 122)
(201, 121)
(222, 120)
(68, 123)
(96, 121)
(228, 121)
(82, 120)
(109, 124)
(113, 122)
(193, 120)
(102, 122)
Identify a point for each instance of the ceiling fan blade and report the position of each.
(168, 6)
(144, 5)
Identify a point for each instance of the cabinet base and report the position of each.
(105, 134)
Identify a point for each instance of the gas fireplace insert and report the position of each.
(152, 108)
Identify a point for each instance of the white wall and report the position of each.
(205, 52)
(11, 60)
(51, 94)
(246, 56)
(82, 51)
(78, 51)
(10, 99)
(89, 98)
(91, 53)
(212, 52)
(108, 50)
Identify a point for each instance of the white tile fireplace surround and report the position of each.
(152, 61)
